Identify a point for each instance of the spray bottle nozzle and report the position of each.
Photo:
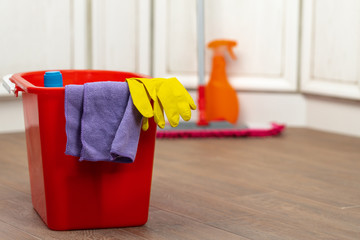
(218, 45)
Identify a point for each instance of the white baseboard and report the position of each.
(333, 115)
(262, 108)
(11, 115)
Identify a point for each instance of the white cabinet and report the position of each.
(66, 34)
(121, 35)
(331, 48)
(61, 34)
(266, 32)
(116, 35)
(35, 35)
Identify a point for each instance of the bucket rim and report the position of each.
(23, 85)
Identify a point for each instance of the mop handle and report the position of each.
(200, 41)
(201, 62)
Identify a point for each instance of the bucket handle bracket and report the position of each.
(10, 86)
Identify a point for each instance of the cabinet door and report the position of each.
(121, 35)
(331, 48)
(266, 32)
(35, 35)
(42, 34)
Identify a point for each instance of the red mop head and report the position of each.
(218, 129)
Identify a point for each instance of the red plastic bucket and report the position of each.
(69, 194)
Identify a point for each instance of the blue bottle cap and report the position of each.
(53, 79)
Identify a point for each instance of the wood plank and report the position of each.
(311, 173)
(13, 149)
(8, 232)
(8, 192)
(262, 226)
(13, 161)
(15, 177)
(165, 225)
(198, 205)
(18, 212)
(306, 214)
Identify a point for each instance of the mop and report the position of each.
(212, 114)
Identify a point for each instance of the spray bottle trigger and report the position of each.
(231, 52)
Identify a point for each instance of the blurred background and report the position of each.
(298, 60)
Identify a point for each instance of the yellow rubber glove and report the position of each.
(171, 96)
(174, 99)
(141, 100)
(145, 124)
(151, 86)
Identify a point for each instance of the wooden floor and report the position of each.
(304, 184)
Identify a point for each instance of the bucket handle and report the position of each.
(8, 85)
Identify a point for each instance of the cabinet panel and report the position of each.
(35, 35)
(336, 40)
(331, 48)
(121, 35)
(256, 25)
(266, 32)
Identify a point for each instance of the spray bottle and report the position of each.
(221, 99)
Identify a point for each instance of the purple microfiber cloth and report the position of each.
(73, 112)
(109, 123)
